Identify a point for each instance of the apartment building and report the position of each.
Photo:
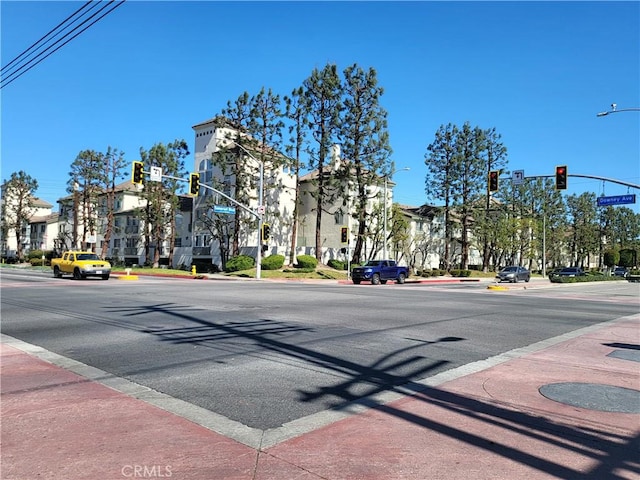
(205, 224)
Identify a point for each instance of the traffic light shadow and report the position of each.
(609, 451)
(399, 372)
(214, 332)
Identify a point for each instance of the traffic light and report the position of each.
(266, 232)
(344, 235)
(561, 177)
(493, 180)
(136, 173)
(194, 184)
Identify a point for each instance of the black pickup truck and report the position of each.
(379, 271)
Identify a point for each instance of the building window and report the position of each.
(339, 217)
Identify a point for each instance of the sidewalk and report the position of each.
(491, 423)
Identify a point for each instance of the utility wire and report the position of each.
(33, 47)
(32, 63)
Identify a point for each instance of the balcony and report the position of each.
(199, 251)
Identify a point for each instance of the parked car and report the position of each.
(621, 272)
(379, 271)
(569, 272)
(80, 265)
(513, 274)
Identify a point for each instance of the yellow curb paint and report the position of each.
(496, 287)
(128, 277)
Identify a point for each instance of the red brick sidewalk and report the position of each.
(492, 424)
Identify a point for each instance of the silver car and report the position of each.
(513, 274)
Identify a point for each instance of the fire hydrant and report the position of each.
(193, 270)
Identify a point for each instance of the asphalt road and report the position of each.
(262, 353)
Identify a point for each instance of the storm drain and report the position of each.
(604, 398)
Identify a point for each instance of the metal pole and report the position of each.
(544, 245)
(384, 239)
(259, 255)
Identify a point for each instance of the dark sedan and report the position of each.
(621, 272)
(513, 274)
(569, 272)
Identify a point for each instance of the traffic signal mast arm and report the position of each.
(595, 177)
(222, 194)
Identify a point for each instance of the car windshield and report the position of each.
(372, 263)
(88, 256)
(510, 269)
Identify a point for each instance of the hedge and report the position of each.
(306, 261)
(272, 262)
(241, 262)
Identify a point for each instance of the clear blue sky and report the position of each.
(536, 71)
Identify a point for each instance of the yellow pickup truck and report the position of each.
(80, 265)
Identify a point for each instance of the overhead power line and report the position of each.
(20, 65)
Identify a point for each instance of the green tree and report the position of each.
(322, 91)
(468, 182)
(17, 206)
(85, 184)
(265, 129)
(495, 158)
(365, 142)
(233, 164)
(441, 161)
(295, 107)
(162, 202)
(112, 169)
(584, 228)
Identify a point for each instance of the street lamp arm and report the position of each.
(617, 110)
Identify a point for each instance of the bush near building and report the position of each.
(272, 262)
(241, 262)
(306, 261)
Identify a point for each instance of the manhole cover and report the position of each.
(605, 398)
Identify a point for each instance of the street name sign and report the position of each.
(616, 200)
(224, 209)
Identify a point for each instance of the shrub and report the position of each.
(584, 278)
(337, 264)
(241, 262)
(35, 254)
(272, 262)
(35, 262)
(611, 257)
(307, 261)
(461, 273)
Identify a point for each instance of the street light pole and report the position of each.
(384, 240)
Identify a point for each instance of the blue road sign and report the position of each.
(223, 209)
(616, 200)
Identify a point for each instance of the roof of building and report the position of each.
(38, 202)
(50, 218)
(218, 121)
(125, 186)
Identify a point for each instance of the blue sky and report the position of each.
(536, 71)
